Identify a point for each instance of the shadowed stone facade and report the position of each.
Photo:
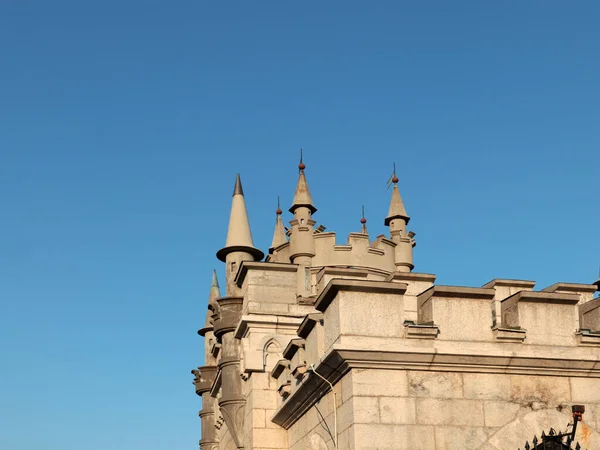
(413, 365)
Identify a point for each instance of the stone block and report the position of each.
(393, 437)
(259, 418)
(498, 413)
(486, 386)
(379, 382)
(454, 438)
(365, 409)
(435, 384)
(397, 410)
(434, 411)
(585, 390)
(551, 391)
(269, 438)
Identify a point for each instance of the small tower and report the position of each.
(279, 236)
(207, 330)
(397, 219)
(238, 246)
(302, 244)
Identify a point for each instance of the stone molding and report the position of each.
(460, 292)
(411, 276)
(374, 287)
(245, 266)
(514, 335)
(571, 287)
(503, 282)
(341, 360)
(420, 331)
(308, 324)
(264, 322)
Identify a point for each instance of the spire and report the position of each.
(302, 195)
(239, 236)
(397, 209)
(215, 294)
(363, 221)
(215, 291)
(279, 236)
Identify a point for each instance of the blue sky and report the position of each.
(123, 124)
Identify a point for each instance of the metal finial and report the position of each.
(301, 166)
(237, 189)
(394, 178)
(279, 211)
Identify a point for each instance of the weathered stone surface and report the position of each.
(435, 384)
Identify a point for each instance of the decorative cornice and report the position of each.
(588, 338)
(462, 292)
(497, 282)
(265, 321)
(372, 287)
(339, 361)
(514, 335)
(542, 297)
(571, 287)
(420, 331)
(411, 276)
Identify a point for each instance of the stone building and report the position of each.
(322, 346)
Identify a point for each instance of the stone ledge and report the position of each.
(280, 366)
(503, 282)
(541, 297)
(372, 287)
(340, 360)
(411, 276)
(264, 321)
(420, 331)
(292, 347)
(571, 287)
(588, 338)
(308, 324)
(460, 292)
(245, 266)
(515, 335)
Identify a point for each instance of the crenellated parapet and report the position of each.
(325, 343)
(363, 324)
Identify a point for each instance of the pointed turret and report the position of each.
(279, 236)
(302, 243)
(302, 195)
(238, 246)
(239, 236)
(215, 294)
(397, 219)
(215, 290)
(397, 209)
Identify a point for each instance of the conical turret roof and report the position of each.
(215, 294)
(239, 236)
(279, 236)
(302, 195)
(397, 209)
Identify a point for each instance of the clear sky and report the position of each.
(124, 123)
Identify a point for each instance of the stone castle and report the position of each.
(321, 346)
